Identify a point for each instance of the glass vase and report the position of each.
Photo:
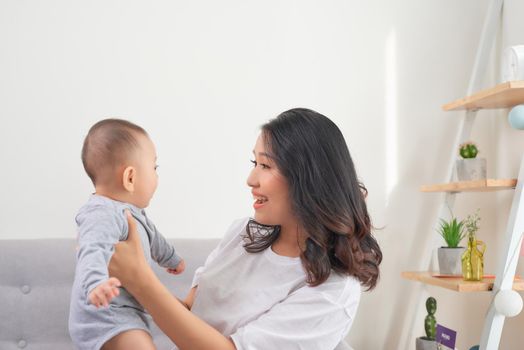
(473, 260)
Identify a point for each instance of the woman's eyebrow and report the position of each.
(264, 154)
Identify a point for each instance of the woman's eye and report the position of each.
(156, 167)
(262, 165)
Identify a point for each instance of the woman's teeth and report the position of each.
(261, 200)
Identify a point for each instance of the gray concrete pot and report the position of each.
(450, 260)
(471, 169)
(424, 344)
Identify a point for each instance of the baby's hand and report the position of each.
(102, 294)
(179, 269)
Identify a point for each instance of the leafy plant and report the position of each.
(468, 150)
(430, 322)
(471, 223)
(452, 231)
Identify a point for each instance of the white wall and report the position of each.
(201, 76)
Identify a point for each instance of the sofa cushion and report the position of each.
(36, 277)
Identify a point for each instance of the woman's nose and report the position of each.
(252, 180)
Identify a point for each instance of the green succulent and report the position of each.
(468, 150)
(452, 231)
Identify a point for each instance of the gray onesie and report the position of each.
(101, 224)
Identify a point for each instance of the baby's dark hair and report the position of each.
(108, 144)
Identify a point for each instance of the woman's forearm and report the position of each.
(186, 330)
(129, 265)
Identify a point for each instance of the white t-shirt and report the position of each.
(262, 300)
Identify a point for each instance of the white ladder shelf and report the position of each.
(501, 96)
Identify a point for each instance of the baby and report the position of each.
(120, 159)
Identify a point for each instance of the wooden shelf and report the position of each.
(486, 185)
(457, 283)
(504, 95)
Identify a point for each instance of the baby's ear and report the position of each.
(128, 179)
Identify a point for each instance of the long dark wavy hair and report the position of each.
(327, 199)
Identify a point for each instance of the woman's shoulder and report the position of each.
(234, 233)
(238, 226)
(338, 289)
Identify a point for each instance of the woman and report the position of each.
(291, 277)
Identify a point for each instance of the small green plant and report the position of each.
(452, 231)
(471, 223)
(430, 322)
(468, 150)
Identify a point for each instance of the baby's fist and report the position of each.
(179, 269)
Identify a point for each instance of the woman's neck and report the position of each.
(289, 241)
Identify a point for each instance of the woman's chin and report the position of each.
(264, 220)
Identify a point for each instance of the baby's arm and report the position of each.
(99, 229)
(164, 253)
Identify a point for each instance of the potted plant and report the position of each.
(469, 167)
(473, 257)
(449, 257)
(430, 326)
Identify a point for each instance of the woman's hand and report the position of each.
(128, 263)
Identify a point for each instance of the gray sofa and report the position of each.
(35, 285)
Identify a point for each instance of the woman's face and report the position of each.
(269, 188)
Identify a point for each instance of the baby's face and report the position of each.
(146, 179)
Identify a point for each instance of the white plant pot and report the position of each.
(471, 169)
(424, 344)
(450, 260)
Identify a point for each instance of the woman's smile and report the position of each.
(260, 200)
